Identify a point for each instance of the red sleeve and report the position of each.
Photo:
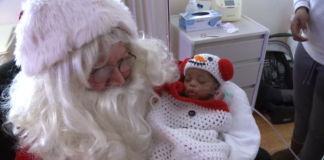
(23, 155)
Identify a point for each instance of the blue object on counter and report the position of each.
(194, 21)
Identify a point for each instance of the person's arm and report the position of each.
(301, 3)
(300, 20)
(243, 137)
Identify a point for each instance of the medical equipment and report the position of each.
(231, 10)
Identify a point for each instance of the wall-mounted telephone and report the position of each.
(231, 10)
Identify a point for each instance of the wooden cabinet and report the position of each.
(245, 49)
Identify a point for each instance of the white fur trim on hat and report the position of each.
(49, 29)
(221, 69)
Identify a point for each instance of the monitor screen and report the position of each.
(229, 2)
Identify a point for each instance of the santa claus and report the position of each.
(86, 81)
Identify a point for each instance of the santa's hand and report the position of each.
(219, 95)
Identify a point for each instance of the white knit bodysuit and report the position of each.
(186, 129)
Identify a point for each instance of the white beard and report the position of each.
(118, 115)
(107, 125)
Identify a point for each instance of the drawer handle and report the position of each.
(204, 35)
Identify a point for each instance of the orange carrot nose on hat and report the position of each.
(221, 69)
(199, 58)
(48, 30)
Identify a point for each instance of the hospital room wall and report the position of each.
(273, 14)
(9, 11)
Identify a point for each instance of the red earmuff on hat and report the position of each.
(226, 69)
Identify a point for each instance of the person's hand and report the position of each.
(219, 95)
(299, 22)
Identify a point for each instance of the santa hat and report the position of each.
(220, 68)
(50, 29)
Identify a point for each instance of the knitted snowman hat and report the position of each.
(50, 29)
(220, 68)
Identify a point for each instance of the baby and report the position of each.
(199, 82)
(192, 121)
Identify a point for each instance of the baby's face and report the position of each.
(199, 84)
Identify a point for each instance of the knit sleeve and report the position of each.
(301, 3)
(243, 135)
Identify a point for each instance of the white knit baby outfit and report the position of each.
(187, 129)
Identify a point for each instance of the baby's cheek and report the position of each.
(186, 86)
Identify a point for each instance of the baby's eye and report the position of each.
(187, 79)
(201, 82)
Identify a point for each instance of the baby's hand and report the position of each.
(219, 95)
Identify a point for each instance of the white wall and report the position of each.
(273, 14)
(151, 17)
(9, 11)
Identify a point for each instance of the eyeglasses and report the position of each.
(103, 74)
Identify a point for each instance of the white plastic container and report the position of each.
(192, 6)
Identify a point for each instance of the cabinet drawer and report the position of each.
(246, 74)
(249, 92)
(234, 51)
